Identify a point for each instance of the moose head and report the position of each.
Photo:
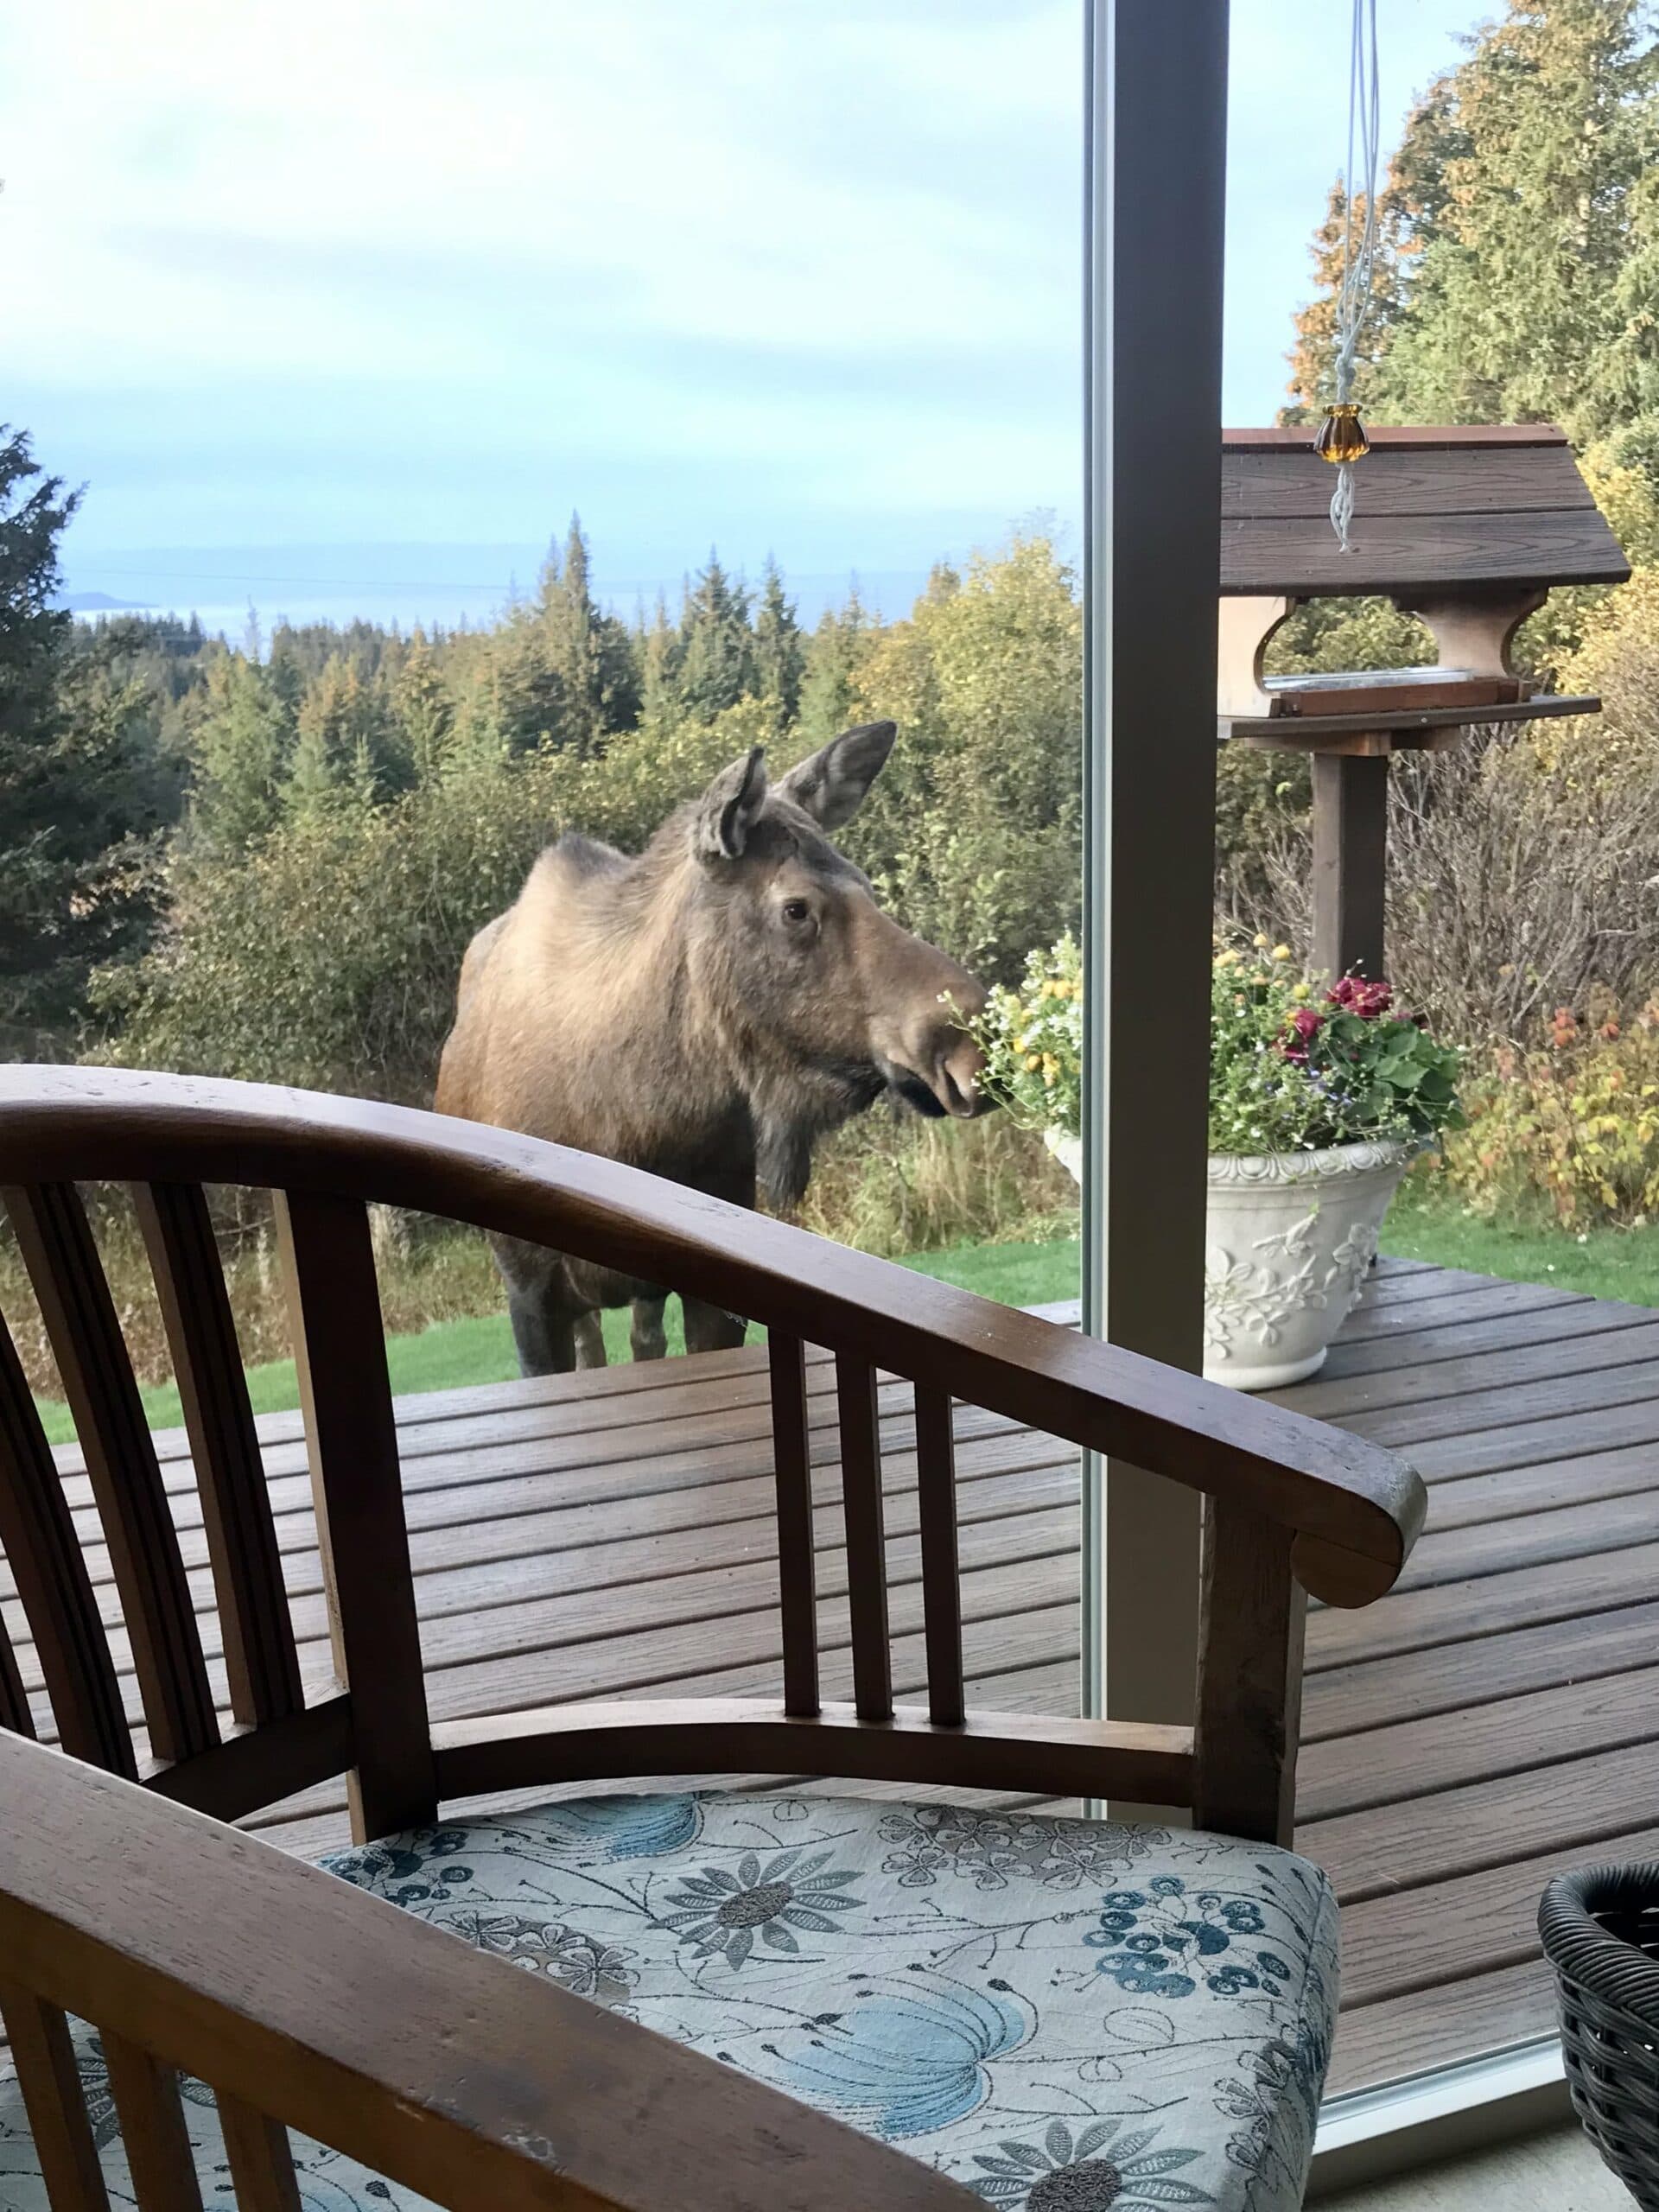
(833, 1001)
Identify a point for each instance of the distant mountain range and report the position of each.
(100, 603)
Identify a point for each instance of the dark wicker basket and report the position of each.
(1601, 1935)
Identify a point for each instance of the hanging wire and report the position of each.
(1358, 252)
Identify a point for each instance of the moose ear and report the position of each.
(729, 808)
(832, 784)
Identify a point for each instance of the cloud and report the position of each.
(245, 186)
(354, 270)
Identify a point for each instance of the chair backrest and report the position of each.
(1297, 1506)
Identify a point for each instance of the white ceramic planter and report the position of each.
(1288, 1237)
(1068, 1151)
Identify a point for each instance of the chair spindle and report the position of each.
(339, 1350)
(796, 1576)
(260, 1658)
(37, 1533)
(936, 1479)
(15, 1712)
(153, 2132)
(44, 2057)
(866, 1556)
(61, 1257)
(262, 2164)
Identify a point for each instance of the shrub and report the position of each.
(1521, 868)
(1570, 1126)
(973, 835)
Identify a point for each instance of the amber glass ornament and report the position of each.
(1342, 435)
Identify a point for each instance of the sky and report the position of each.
(342, 306)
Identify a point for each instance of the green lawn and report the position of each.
(1423, 1225)
(454, 1353)
(1604, 1263)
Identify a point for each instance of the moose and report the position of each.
(707, 1010)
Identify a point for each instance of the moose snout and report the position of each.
(958, 1083)
(930, 1058)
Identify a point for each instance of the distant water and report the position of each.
(429, 585)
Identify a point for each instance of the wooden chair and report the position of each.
(203, 1956)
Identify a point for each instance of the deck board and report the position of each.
(1496, 1717)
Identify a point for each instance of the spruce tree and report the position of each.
(567, 621)
(779, 650)
(329, 753)
(716, 645)
(834, 659)
(241, 741)
(81, 792)
(1534, 295)
(659, 664)
(424, 708)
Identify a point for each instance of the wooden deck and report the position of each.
(1496, 1717)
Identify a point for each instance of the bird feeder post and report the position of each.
(1350, 833)
(1468, 529)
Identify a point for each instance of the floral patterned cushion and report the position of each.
(1065, 2015)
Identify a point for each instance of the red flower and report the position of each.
(1354, 996)
(1306, 1026)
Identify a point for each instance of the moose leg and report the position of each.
(710, 1328)
(588, 1329)
(542, 1333)
(647, 1338)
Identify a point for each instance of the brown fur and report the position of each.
(707, 1011)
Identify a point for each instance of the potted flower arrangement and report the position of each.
(1319, 1095)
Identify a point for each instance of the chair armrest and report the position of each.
(1353, 1508)
(464, 2078)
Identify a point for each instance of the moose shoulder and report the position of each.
(707, 1010)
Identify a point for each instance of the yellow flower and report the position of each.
(1282, 952)
(1019, 1043)
(1259, 942)
(1034, 1061)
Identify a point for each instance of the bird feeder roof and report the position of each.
(1436, 511)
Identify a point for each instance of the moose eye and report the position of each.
(796, 911)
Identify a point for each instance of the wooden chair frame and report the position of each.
(1292, 1507)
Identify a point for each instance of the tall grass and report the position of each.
(894, 1185)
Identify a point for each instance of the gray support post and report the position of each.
(1351, 831)
(1157, 96)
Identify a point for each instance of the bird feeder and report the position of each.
(1467, 529)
